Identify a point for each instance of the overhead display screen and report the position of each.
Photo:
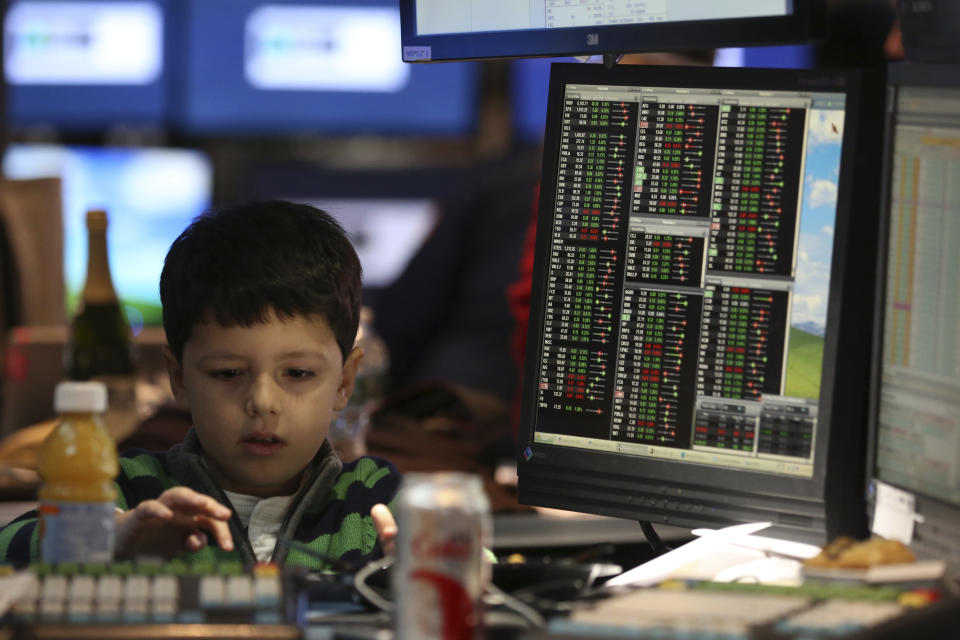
(83, 43)
(84, 66)
(461, 16)
(434, 30)
(325, 67)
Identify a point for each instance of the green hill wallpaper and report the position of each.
(140, 313)
(804, 364)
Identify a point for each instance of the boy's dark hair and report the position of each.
(239, 262)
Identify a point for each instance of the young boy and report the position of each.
(261, 305)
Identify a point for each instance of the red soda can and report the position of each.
(443, 529)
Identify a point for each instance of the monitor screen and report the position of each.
(388, 213)
(916, 434)
(79, 66)
(692, 294)
(150, 195)
(465, 29)
(797, 56)
(386, 232)
(329, 67)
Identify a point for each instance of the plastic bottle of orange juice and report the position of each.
(78, 462)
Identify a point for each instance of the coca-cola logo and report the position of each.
(456, 546)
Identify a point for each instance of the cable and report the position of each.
(368, 592)
(527, 612)
(495, 595)
(651, 535)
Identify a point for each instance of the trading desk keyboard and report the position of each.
(736, 612)
(170, 593)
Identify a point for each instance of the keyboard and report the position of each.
(732, 611)
(171, 594)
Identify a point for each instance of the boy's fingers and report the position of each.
(195, 540)
(383, 520)
(153, 510)
(385, 525)
(189, 501)
(219, 529)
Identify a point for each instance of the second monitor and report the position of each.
(698, 349)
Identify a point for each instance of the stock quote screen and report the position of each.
(691, 241)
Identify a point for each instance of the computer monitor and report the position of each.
(327, 67)
(796, 56)
(915, 420)
(929, 30)
(83, 66)
(150, 195)
(698, 347)
(388, 213)
(434, 30)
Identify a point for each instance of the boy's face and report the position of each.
(262, 397)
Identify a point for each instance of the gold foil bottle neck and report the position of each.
(97, 220)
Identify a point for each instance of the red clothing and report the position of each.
(518, 299)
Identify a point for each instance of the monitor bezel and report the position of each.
(936, 513)
(849, 307)
(806, 22)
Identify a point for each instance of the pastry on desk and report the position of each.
(873, 561)
(847, 553)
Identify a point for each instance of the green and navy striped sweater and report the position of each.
(330, 514)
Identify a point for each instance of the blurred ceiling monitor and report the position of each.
(83, 66)
(915, 421)
(793, 56)
(388, 213)
(326, 68)
(698, 348)
(150, 195)
(386, 232)
(930, 29)
(437, 30)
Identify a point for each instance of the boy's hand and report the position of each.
(386, 528)
(172, 524)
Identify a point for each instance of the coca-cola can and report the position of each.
(443, 530)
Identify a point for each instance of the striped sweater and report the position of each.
(330, 514)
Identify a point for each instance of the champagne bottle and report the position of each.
(100, 337)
